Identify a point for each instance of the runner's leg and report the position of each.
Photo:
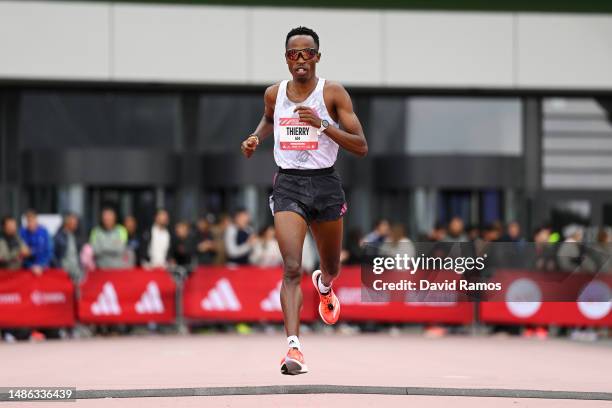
(290, 233)
(328, 236)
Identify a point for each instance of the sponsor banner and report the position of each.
(241, 294)
(360, 303)
(27, 300)
(524, 299)
(127, 296)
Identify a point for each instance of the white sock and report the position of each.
(293, 341)
(322, 288)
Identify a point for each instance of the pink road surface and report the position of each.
(154, 362)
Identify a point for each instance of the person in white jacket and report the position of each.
(265, 250)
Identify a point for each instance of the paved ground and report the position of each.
(187, 364)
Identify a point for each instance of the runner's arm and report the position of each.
(266, 124)
(351, 136)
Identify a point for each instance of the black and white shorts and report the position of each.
(316, 195)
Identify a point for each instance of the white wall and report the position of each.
(244, 45)
(54, 40)
(179, 43)
(448, 49)
(564, 51)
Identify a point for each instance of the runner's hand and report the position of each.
(308, 115)
(249, 146)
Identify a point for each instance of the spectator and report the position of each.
(492, 232)
(398, 243)
(455, 232)
(156, 241)
(438, 233)
(12, 249)
(353, 254)
(109, 241)
(12, 252)
(379, 234)
(37, 239)
(478, 246)
(133, 241)
(571, 251)
(239, 238)
(513, 233)
(542, 235)
(496, 254)
(544, 251)
(182, 249)
(67, 247)
(218, 232)
(206, 245)
(514, 247)
(265, 250)
(603, 251)
(473, 233)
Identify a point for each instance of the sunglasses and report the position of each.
(307, 54)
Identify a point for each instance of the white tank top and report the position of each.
(296, 144)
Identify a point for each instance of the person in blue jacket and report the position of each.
(36, 237)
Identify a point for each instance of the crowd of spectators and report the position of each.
(223, 240)
(231, 240)
(546, 249)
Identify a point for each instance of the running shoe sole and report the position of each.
(293, 367)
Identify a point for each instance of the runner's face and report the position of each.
(302, 69)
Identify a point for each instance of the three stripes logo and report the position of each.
(106, 303)
(221, 297)
(272, 303)
(150, 301)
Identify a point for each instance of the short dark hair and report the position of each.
(239, 210)
(6, 219)
(108, 208)
(302, 31)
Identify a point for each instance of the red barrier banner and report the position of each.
(523, 299)
(241, 294)
(27, 300)
(355, 307)
(127, 296)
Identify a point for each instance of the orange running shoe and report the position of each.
(329, 306)
(293, 363)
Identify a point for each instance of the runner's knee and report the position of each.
(292, 271)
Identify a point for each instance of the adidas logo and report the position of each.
(106, 302)
(272, 302)
(221, 297)
(150, 301)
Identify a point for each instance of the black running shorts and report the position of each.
(316, 195)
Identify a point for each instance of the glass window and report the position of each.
(225, 120)
(460, 125)
(53, 119)
(384, 124)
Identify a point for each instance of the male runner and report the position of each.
(306, 114)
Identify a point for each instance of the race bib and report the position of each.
(297, 135)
